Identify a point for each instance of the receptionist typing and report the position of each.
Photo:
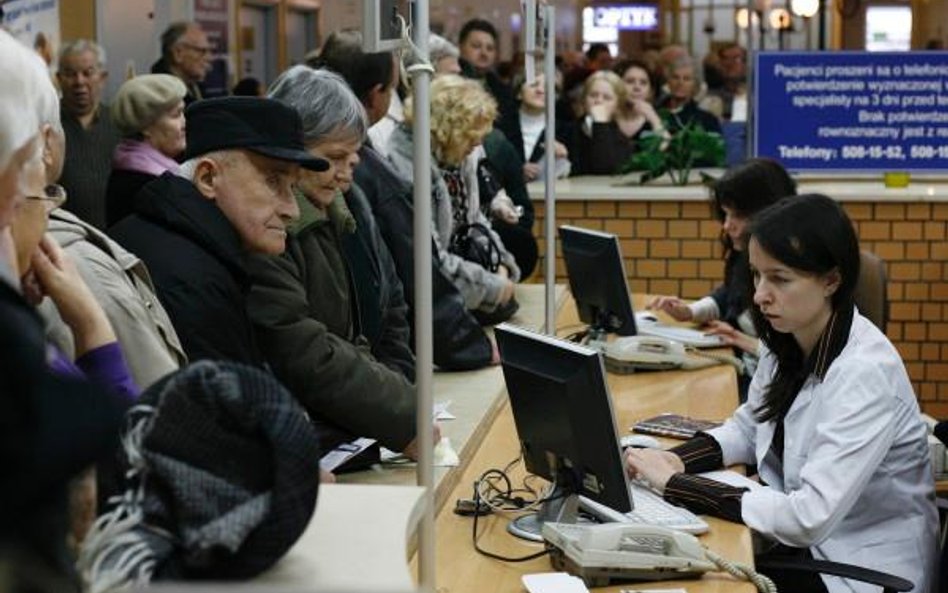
(831, 419)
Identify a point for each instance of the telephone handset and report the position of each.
(600, 553)
(627, 353)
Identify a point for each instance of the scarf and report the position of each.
(222, 475)
(141, 157)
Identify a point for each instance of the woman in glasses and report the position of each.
(45, 271)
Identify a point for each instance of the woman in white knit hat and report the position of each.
(149, 111)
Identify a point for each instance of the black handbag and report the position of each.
(474, 242)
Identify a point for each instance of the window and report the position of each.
(888, 28)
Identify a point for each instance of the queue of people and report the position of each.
(244, 263)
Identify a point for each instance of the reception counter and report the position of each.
(845, 188)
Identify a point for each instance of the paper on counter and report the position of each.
(444, 455)
(553, 582)
(441, 411)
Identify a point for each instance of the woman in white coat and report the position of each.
(831, 419)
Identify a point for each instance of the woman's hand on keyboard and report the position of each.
(672, 305)
(655, 466)
(731, 336)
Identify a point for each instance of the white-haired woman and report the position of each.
(329, 313)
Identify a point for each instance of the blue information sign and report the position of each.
(852, 110)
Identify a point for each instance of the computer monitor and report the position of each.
(564, 419)
(597, 280)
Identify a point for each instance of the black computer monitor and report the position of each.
(563, 414)
(597, 280)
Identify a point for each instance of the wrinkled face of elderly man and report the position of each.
(254, 192)
(82, 80)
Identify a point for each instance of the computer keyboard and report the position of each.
(650, 508)
(685, 335)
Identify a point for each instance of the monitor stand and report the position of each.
(560, 508)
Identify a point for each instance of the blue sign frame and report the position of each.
(848, 111)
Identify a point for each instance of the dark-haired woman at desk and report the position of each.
(742, 192)
(831, 420)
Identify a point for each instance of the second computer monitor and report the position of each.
(597, 280)
(563, 414)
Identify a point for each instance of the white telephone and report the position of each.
(600, 553)
(628, 353)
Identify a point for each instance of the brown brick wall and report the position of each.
(672, 248)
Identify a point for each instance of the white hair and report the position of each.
(27, 96)
(79, 46)
(188, 168)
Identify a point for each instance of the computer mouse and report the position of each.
(640, 441)
(646, 317)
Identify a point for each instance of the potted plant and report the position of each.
(676, 155)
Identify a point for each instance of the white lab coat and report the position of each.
(857, 485)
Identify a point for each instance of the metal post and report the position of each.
(549, 70)
(424, 349)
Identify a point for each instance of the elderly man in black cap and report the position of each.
(232, 196)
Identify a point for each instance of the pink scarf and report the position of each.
(141, 157)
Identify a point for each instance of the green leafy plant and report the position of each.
(677, 155)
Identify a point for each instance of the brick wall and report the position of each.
(673, 248)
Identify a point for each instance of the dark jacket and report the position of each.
(600, 148)
(305, 309)
(505, 164)
(120, 193)
(459, 341)
(197, 263)
(508, 117)
(194, 90)
(383, 312)
(690, 112)
(51, 429)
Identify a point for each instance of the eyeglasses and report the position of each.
(201, 49)
(54, 196)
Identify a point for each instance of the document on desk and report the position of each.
(732, 478)
(553, 582)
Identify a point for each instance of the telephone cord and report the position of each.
(741, 571)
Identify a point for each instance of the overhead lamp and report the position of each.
(742, 18)
(779, 19)
(805, 8)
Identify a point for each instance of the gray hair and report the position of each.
(324, 101)
(78, 46)
(438, 49)
(172, 35)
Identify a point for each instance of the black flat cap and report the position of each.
(263, 126)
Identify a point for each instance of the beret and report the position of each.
(140, 101)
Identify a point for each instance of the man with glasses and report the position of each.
(185, 53)
(90, 135)
(232, 196)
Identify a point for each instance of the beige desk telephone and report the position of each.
(605, 552)
(628, 353)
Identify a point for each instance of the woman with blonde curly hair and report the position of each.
(469, 251)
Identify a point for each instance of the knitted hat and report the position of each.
(222, 481)
(140, 101)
